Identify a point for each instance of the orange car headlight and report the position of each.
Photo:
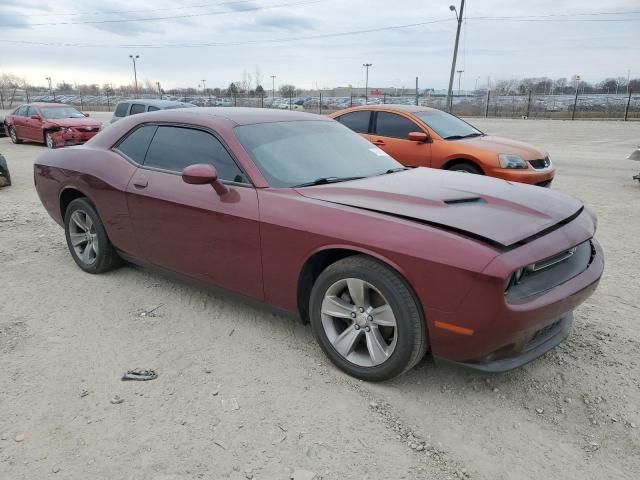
(509, 160)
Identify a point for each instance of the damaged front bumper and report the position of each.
(66, 137)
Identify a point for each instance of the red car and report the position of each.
(297, 211)
(54, 124)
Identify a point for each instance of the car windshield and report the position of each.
(61, 112)
(302, 153)
(447, 126)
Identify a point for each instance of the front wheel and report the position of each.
(366, 319)
(87, 239)
(48, 140)
(465, 167)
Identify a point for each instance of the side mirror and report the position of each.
(36, 117)
(203, 174)
(85, 114)
(418, 137)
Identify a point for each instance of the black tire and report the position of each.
(5, 176)
(106, 258)
(412, 342)
(465, 167)
(14, 135)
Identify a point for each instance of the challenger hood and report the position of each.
(501, 213)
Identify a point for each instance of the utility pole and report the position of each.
(366, 83)
(273, 86)
(628, 80)
(48, 79)
(159, 90)
(135, 73)
(455, 52)
(459, 72)
(575, 100)
(417, 94)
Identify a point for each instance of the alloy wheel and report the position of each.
(83, 236)
(12, 134)
(359, 322)
(49, 140)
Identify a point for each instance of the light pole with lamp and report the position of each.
(459, 72)
(135, 73)
(48, 79)
(455, 52)
(366, 83)
(273, 86)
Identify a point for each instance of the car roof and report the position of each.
(393, 107)
(237, 115)
(155, 102)
(45, 104)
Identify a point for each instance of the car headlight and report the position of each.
(508, 160)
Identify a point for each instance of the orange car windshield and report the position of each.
(448, 126)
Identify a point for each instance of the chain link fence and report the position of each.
(485, 104)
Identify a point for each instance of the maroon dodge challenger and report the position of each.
(298, 212)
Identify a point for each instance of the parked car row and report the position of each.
(301, 213)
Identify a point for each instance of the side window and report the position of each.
(136, 108)
(31, 111)
(396, 126)
(174, 148)
(152, 108)
(136, 144)
(121, 110)
(356, 121)
(22, 111)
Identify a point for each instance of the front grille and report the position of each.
(541, 163)
(86, 129)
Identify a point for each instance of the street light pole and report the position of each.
(459, 72)
(273, 86)
(455, 52)
(366, 83)
(476, 89)
(159, 90)
(135, 73)
(49, 80)
(204, 87)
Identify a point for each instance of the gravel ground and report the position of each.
(243, 393)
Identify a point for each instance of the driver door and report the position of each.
(33, 128)
(190, 229)
(390, 132)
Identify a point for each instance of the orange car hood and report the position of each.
(501, 213)
(505, 145)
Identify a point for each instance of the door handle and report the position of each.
(140, 183)
(378, 142)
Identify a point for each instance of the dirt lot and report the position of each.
(242, 393)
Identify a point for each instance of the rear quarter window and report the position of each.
(121, 110)
(136, 143)
(356, 121)
(136, 108)
(152, 108)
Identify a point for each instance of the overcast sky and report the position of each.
(244, 32)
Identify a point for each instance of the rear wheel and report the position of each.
(87, 239)
(14, 135)
(465, 167)
(366, 319)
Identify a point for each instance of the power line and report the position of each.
(171, 17)
(305, 37)
(113, 12)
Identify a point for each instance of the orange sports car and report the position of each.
(427, 137)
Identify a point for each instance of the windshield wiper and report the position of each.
(326, 180)
(394, 170)
(458, 137)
